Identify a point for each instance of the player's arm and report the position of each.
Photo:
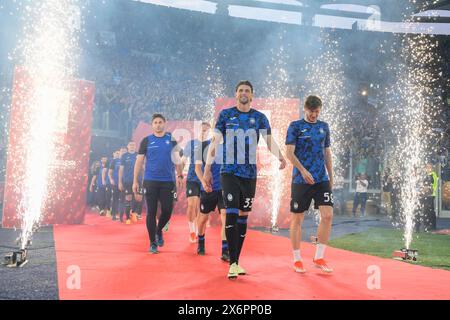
(179, 165)
(110, 172)
(120, 177)
(329, 165)
(210, 155)
(184, 160)
(290, 149)
(143, 169)
(199, 173)
(273, 147)
(91, 187)
(140, 159)
(137, 171)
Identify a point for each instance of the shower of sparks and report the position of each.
(48, 51)
(276, 85)
(215, 85)
(325, 78)
(413, 103)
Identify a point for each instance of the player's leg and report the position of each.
(121, 206)
(166, 199)
(151, 197)
(128, 202)
(206, 206)
(231, 194)
(192, 194)
(300, 201)
(248, 188)
(102, 200)
(138, 202)
(115, 202)
(323, 199)
(223, 215)
(108, 200)
(296, 237)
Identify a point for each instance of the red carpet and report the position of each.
(114, 264)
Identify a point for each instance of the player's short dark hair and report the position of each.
(206, 123)
(158, 115)
(313, 102)
(244, 82)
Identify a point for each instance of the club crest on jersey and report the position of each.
(167, 141)
(321, 131)
(252, 120)
(230, 197)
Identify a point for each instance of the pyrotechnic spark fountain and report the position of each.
(49, 55)
(277, 86)
(412, 104)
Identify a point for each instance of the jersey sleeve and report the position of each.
(221, 123)
(327, 137)
(291, 135)
(143, 146)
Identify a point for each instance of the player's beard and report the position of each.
(244, 100)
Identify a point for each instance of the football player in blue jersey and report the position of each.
(161, 155)
(193, 151)
(126, 171)
(210, 199)
(113, 174)
(308, 149)
(239, 128)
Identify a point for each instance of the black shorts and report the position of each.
(238, 192)
(209, 201)
(128, 189)
(192, 189)
(303, 194)
(153, 187)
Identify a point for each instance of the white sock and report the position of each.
(320, 251)
(297, 256)
(191, 227)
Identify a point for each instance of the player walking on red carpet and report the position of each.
(161, 155)
(239, 128)
(308, 149)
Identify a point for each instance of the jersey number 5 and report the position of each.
(328, 196)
